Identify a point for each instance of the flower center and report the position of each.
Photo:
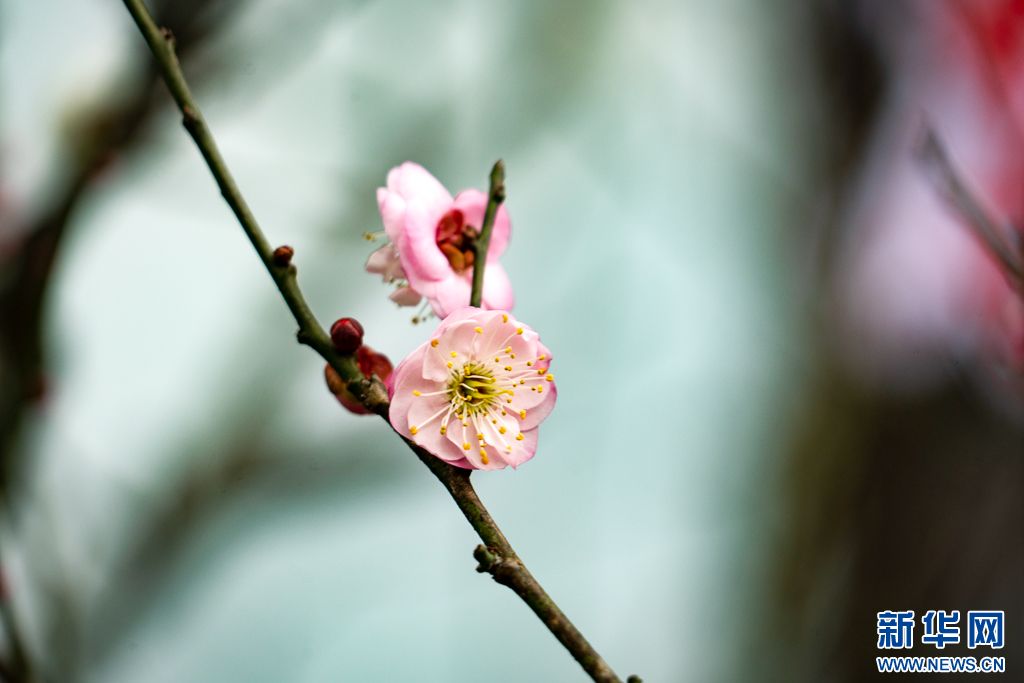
(472, 389)
(455, 240)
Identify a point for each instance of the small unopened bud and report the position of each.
(370, 363)
(346, 335)
(283, 256)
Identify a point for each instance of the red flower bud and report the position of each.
(370, 363)
(282, 256)
(346, 335)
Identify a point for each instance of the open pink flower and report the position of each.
(476, 393)
(430, 235)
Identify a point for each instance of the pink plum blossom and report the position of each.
(430, 236)
(475, 394)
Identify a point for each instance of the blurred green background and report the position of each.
(186, 502)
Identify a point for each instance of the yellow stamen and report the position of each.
(550, 378)
(413, 430)
(450, 364)
(502, 430)
(444, 430)
(483, 456)
(434, 342)
(522, 414)
(519, 437)
(416, 392)
(504, 318)
(508, 368)
(466, 446)
(478, 330)
(519, 330)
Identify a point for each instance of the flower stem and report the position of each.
(310, 332)
(502, 562)
(495, 196)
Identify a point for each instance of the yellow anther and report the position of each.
(522, 414)
(444, 430)
(519, 437)
(550, 378)
(502, 429)
(541, 357)
(503, 412)
(512, 356)
(508, 349)
(519, 330)
(529, 363)
(508, 368)
(522, 381)
(478, 330)
(480, 437)
(540, 388)
(454, 354)
(449, 364)
(483, 456)
(466, 446)
(504, 318)
(508, 400)
(416, 392)
(413, 430)
(497, 360)
(541, 371)
(434, 343)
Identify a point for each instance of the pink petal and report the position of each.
(410, 180)
(540, 411)
(457, 338)
(525, 449)
(384, 262)
(473, 204)
(497, 292)
(404, 379)
(449, 294)
(405, 296)
(392, 213)
(422, 260)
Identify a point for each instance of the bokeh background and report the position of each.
(789, 378)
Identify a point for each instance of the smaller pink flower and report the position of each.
(430, 235)
(475, 394)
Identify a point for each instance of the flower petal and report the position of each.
(421, 258)
(392, 213)
(524, 450)
(410, 180)
(497, 292)
(447, 295)
(405, 296)
(473, 204)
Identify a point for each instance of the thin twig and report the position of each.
(495, 196)
(501, 560)
(933, 155)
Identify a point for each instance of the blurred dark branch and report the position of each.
(96, 139)
(94, 143)
(954, 191)
(498, 556)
